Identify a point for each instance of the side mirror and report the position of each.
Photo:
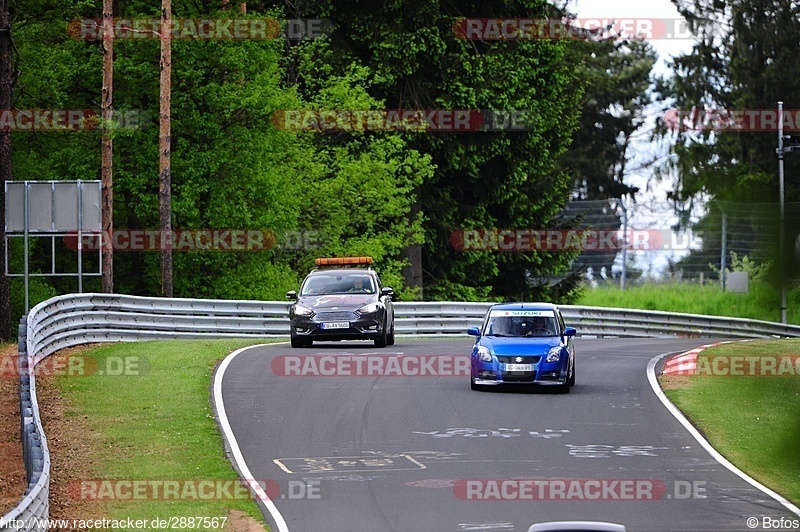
(291, 294)
(387, 291)
(474, 331)
(569, 331)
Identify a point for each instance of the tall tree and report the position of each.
(617, 74)
(745, 59)
(497, 179)
(107, 149)
(618, 81)
(7, 80)
(165, 149)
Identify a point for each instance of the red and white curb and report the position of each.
(685, 363)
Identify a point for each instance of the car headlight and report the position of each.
(484, 354)
(300, 310)
(554, 354)
(370, 308)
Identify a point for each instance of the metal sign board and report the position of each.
(53, 206)
(15, 203)
(47, 209)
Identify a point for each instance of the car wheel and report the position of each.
(572, 377)
(390, 337)
(565, 388)
(382, 339)
(296, 342)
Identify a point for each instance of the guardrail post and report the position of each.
(22, 370)
(26, 427)
(22, 337)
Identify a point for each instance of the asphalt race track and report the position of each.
(426, 453)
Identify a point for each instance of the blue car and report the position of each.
(523, 343)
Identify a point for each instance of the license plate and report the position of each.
(519, 367)
(335, 325)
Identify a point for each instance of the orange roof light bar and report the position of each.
(343, 261)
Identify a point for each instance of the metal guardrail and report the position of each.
(601, 321)
(35, 503)
(76, 319)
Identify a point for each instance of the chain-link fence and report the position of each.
(654, 245)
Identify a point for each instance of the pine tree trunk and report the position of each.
(7, 76)
(107, 149)
(164, 140)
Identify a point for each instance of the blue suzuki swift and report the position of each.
(523, 343)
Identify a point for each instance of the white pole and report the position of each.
(623, 276)
(781, 252)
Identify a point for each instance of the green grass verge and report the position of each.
(753, 421)
(156, 423)
(762, 302)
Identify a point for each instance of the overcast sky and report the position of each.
(626, 9)
(660, 11)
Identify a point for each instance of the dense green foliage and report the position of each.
(378, 193)
(232, 168)
(745, 59)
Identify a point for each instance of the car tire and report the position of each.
(296, 342)
(567, 386)
(572, 377)
(390, 337)
(382, 340)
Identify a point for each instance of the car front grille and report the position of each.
(336, 315)
(513, 360)
(518, 376)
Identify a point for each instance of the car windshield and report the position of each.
(338, 284)
(521, 326)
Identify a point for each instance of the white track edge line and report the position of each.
(234, 445)
(651, 377)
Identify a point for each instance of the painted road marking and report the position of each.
(503, 432)
(349, 464)
(607, 451)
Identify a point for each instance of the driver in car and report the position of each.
(538, 327)
(358, 286)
